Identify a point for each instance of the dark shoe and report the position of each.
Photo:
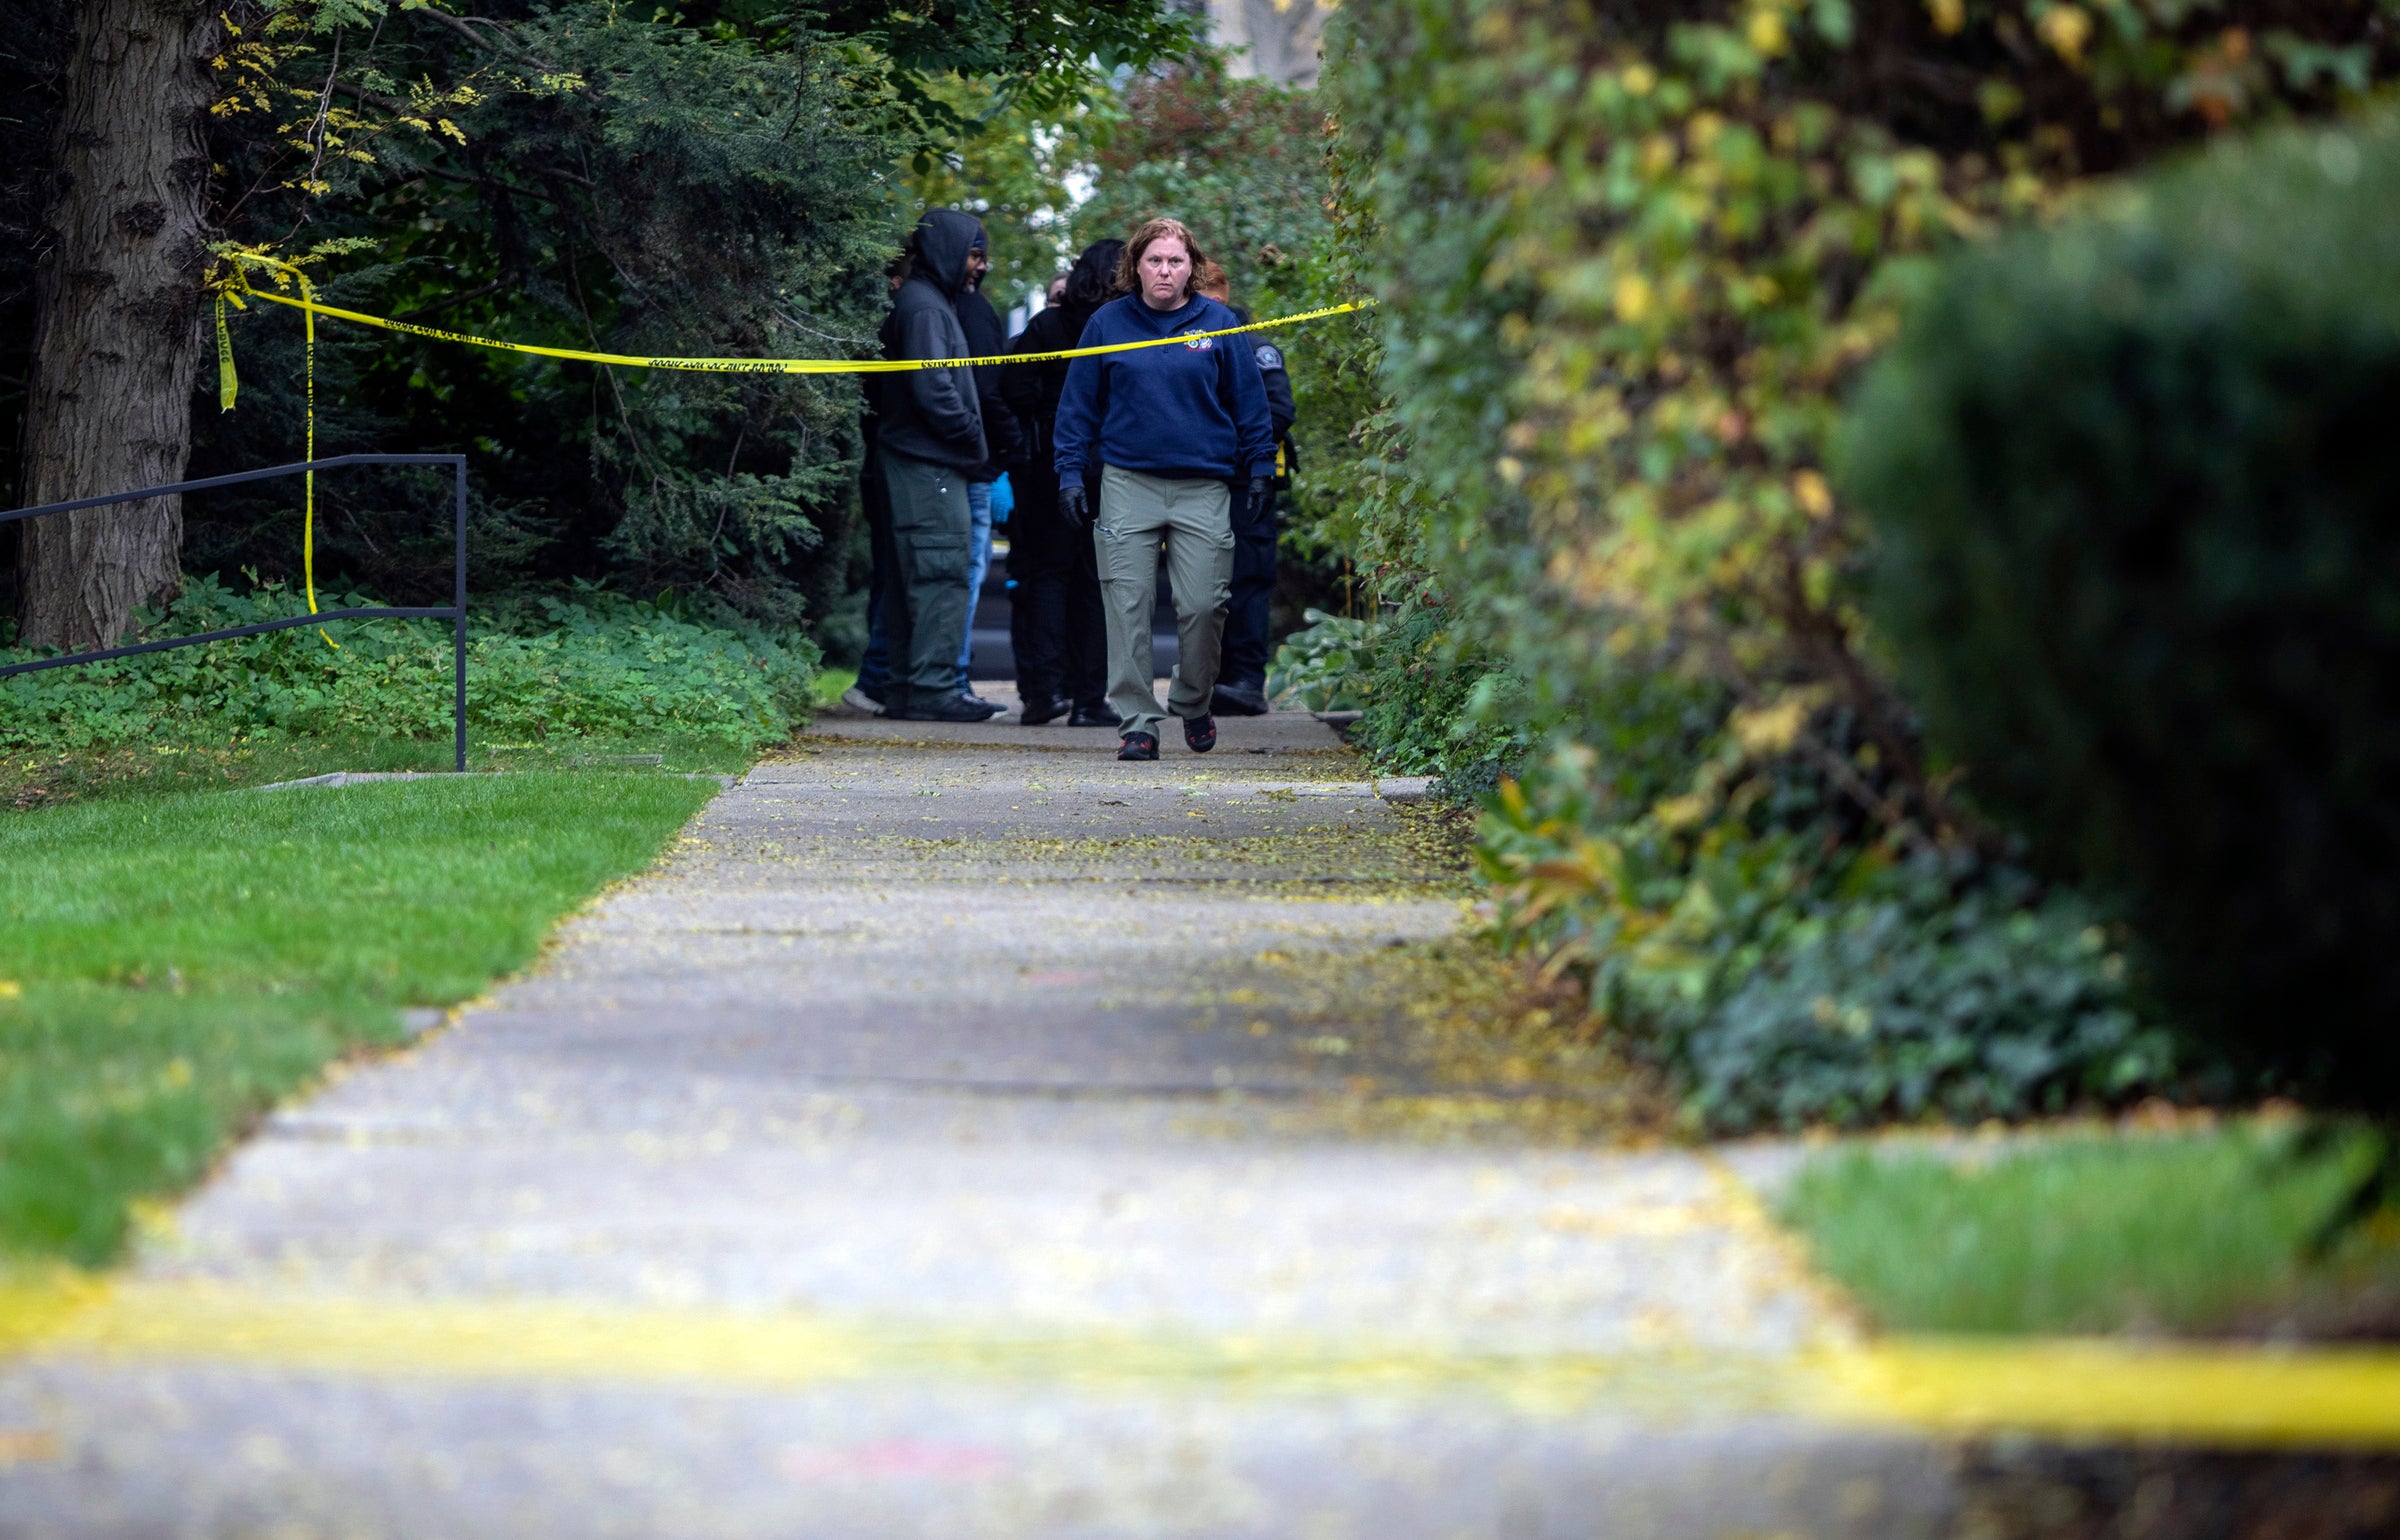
(1240, 700)
(1199, 734)
(1092, 716)
(989, 708)
(1038, 712)
(1138, 746)
(955, 709)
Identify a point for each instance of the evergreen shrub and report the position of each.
(2139, 515)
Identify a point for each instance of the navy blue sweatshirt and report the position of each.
(1196, 410)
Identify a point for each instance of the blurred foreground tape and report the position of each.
(2221, 1394)
(2225, 1396)
(42, 1305)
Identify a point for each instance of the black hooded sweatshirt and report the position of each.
(1032, 390)
(932, 414)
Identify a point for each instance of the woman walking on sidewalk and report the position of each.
(1176, 430)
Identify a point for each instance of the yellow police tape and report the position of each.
(769, 365)
(227, 386)
(2213, 1394)
(236, 286)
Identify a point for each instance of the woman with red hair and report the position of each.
(1176, 426)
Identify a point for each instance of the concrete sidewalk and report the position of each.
(957, 1135)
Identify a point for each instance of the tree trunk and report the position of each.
(117, 321)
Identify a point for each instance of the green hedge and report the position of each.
(2139, 513)
(1630, 258)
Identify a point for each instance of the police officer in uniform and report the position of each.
(1242, 680)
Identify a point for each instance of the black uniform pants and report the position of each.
(1056, 628)
(1247, 643)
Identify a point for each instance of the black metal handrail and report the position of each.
(455, 612)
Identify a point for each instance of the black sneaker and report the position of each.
(990, 708)
(1092, 716)
(1038, 712)
(1138, 746)
(1200, 734)
(954, 709)
(1239, 700)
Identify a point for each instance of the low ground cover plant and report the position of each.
(592, 667)
(2200, 1232)
(1778, 989)
(172, 965)
(1322, 666)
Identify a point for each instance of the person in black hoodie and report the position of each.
(928, 442)
(986, 338)
(1061, 640)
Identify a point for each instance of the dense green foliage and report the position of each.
(2134, 491)
(1629, 260)
(1240, 161)
(1780, 996)
(172, 966)
(1427, 704)
(554, 671)
(615, 183)
(1321, 667)
(2181, 1233)
(1903, 1002)
(716, 178)
(1014, 168)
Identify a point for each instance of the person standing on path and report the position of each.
(1062, 643)
(1174, 430)
(929, 440)
(986, 338)
(875, 662)
(1242, 679)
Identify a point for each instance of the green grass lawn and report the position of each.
(831, 682)
(2184, 1233)
(171, 965)
(207, 763)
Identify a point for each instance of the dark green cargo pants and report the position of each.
(927, 603)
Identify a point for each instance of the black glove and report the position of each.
(1072, 507)
(1262, 493)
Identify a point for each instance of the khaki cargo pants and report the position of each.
(1195, 519)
